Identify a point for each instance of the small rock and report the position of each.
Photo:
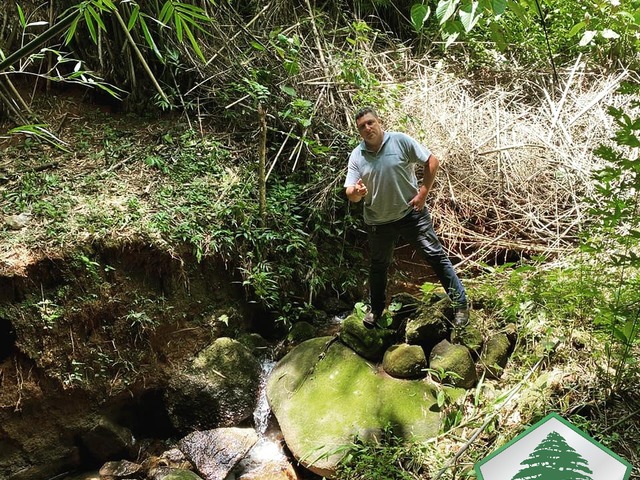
(216, 452)
(169, 473)
(120, 469)
(455, 363)
(405, 361)
(495, 355)
(18, 222)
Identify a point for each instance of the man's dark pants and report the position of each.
(417, 229)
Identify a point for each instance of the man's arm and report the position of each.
(428, 177)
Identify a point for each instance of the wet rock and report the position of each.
(107, 440)
(266, 461)
(324, 396)
(173, 458)
(170, 473)
(454, 363)
(369, 343)
(271, 471)
(219, 389)
(120, 469)
(301, 331)
(405, 361)
(216, 452)
(495, 355)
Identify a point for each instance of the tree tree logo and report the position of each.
(553, 449)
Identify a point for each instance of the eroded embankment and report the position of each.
(94, 335)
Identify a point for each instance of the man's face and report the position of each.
(370, 130)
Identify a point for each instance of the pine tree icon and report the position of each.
(554, 459)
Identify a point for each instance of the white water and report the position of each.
(262, 412)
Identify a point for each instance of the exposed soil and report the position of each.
(80, 342)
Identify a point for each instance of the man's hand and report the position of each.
(357, 192)
(360, 188)
(419, 200)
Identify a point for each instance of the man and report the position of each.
(382, 172)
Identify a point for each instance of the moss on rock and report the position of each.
(405, 361)
(455, 364)
(322, 399)
(495, 355)
(369, 343)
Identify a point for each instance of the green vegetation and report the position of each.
(175, 166)
(384, 458)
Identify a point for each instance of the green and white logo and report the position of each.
(553, 449)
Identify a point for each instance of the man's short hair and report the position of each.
(363, 111)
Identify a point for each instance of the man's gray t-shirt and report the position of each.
(389, 175)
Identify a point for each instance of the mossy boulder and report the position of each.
(405, 361)
(301, 331)
(369, 343)
(469, 336)
(455, 364)
(219, 388)
(429, 324)
(323, 394)
(495, 355)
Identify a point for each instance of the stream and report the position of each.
(269, 447)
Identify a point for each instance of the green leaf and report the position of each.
(441, 399)
(469, 15)
(419, 14)
(193, 12)
(445, 10)
(72, 30)
(23, 20)
(134, 17)
(575, 29)
(178, 23)
(520, 11)
(497, 35)
(499, 6)
(92, 28)
(194, 43)
(288, 90)
(167, 12)
(149, 38)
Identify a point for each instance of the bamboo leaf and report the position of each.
(106, 5)
(192, 11)
(194, 42)
(149, 38)
(88, 20)
(72, 30)
(23, 20)
(178, 23)
(167, 12)
(134, 17)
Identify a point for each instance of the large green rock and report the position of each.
(218, 389)
(323, 394)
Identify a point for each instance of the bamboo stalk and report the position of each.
(144, 63)
(262, 155)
